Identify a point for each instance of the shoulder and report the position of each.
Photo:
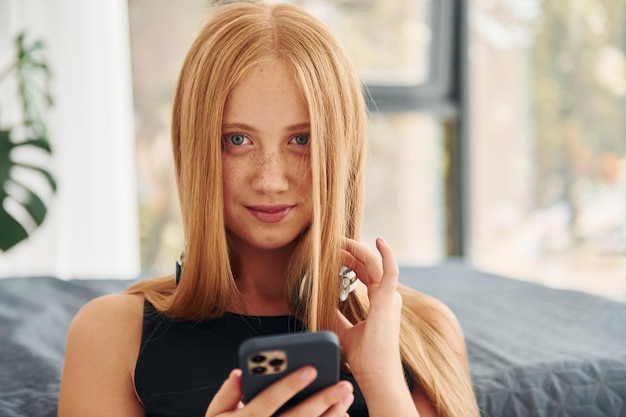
(108, 327)
(101, 352)
(437, 315)
(111, 314)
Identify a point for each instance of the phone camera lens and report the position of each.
(258, 358)
(276, 362)
(258, 370)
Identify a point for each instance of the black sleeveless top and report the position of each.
(182, 363)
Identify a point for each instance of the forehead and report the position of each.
(267, 93)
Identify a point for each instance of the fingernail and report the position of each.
(382, 241)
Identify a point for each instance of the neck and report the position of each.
(261, 280)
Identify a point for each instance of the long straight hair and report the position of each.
(238, 38)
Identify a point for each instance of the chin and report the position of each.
(276, 244)
(266, 242)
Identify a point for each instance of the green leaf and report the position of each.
(40, 143)
(35, 207)
(12, 231)
(48, 176)
(5, 141)
(34, 47)
(5, 161)
(32, 76)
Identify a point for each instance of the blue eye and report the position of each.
(302, 139)
(235, 139)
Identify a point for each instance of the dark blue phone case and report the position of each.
(261, 361)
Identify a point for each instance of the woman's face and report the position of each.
(265, 159)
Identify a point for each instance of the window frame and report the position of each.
(444, 94)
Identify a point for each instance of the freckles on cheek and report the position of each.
(228, 173)
(228, 167)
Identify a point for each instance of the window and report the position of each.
(548, 157)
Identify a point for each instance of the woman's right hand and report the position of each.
(333, 401)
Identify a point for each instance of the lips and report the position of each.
(270, 213)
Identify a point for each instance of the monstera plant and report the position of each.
(23, 140)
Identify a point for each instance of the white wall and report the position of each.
(92, 226)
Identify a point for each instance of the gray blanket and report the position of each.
(533, 351)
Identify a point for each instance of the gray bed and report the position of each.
(534, 351)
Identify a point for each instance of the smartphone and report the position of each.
(266, 359)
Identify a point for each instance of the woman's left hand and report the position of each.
(372, 347)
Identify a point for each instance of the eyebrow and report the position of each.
(243, 126)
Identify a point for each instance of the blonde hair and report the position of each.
(238, 38)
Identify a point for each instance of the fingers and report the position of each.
(363, 261)
(338, 410)
(390, 265)
(228, 397)
(343, 326)
(369, 267)
(274, 396)
(333, 401)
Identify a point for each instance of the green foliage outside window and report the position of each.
(579, 93)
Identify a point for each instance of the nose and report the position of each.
(271, 173)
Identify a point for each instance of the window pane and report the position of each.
(404, 194)
(549, 157)
(389, 41)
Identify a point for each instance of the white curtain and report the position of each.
(92, 228)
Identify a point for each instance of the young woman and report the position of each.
(269, 138)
